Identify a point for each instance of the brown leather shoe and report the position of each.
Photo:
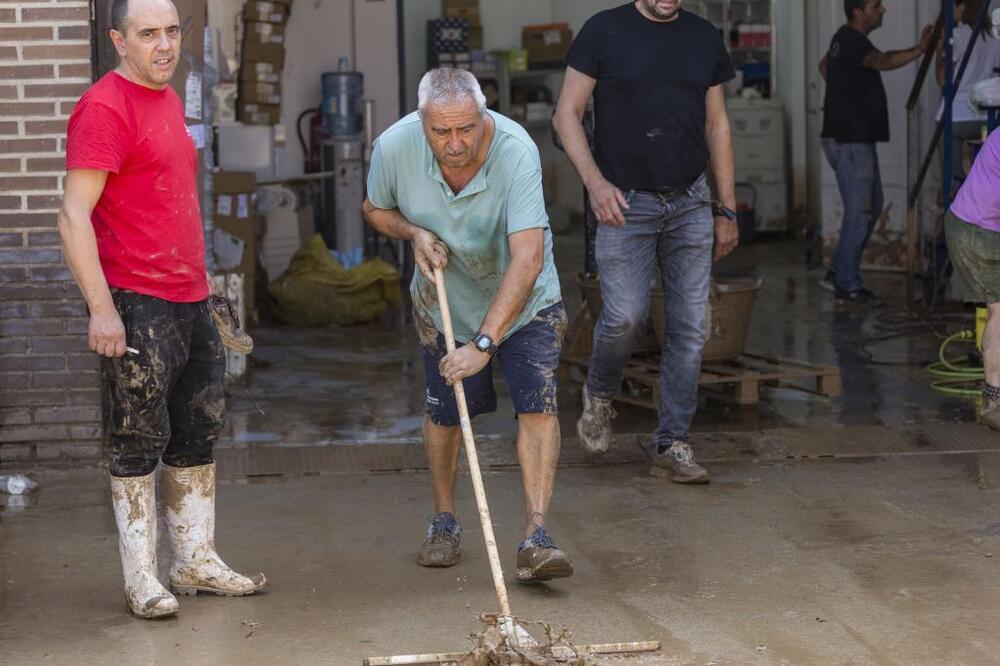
(678, 464)
(538, 559)
(228, 323)
(440, 548)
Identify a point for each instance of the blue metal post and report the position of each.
(949, 96)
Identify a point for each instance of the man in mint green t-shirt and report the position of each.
(464, 186)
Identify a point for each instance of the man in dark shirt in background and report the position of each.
(855, 118)
(656, 73)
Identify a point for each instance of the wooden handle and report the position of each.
(470, 451)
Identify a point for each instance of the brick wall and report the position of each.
(49, 383)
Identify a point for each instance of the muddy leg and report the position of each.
(538, 444)
(443, 445)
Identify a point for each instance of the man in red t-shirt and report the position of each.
(132, 236)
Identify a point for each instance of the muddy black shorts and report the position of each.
(529, 359)
(168, 401)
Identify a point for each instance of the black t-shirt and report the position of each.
(649, 101)
(855, 109)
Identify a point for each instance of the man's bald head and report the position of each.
(119, 14)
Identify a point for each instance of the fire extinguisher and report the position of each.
(312, 151)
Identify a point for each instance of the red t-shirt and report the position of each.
(148, 221)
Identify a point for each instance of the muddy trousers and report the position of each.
(166, 402)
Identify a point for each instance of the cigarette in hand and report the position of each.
(131, 350)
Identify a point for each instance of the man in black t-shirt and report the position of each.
(855, 118)
(656, 73)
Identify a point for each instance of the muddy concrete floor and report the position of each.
(893, 560)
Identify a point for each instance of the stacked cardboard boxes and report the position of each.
(468, 10)
(547, 45)
(235, 221)
(262, 60)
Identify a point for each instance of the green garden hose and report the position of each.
(953, 375)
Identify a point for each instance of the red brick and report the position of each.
(44, 164)
(11, 146)
(8, 92)
(16, 274)
(67, 452)
(15, 363)
(54, 52)
(44, 238)
(9, 310)
(17, 453)
(71, 32)
(28, 220)
(13, 346)
(10, 417)
(47, 90)
(7, 15)
(45, 202)
(34, 433)
(54, 380)
(8, 53)
(32, 398)
(75, 71)
(9, 166)
(37, 14)
(47, 363)
(8, 127)
(30, 292)
(31, 327)
(94, 433)
(60, 309)
(90, 361)
(28, 108)
(23, 33)
(86, 397)
(13, 380)
(26, 71)
(76, 344)
(53, 274)
(27, 183)
(11, 239)
(35, 127)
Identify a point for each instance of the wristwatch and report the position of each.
(485, 344)
(718, 210)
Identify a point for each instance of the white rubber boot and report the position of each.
(134, 501)
(189, 509)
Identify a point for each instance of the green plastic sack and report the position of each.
(317, 290)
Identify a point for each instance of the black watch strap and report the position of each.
(490, 348)
(718, 210)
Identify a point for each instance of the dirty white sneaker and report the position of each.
(134, 502)
(594, 426)
(677, 463)
(189, 510)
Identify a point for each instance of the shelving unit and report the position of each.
(550, 78)
(728, 15)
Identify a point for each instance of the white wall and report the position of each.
(790, 70)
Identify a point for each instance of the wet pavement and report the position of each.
(364, 384)
(792, 555)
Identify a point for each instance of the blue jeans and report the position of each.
(679, 232)
(860, 185)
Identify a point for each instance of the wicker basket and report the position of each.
(730, 306)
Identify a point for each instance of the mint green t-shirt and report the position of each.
(503, 198)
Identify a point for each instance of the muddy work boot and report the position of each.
(990, 414)
(135, 514)
(189, 502)
(539, 559)
(228, 323)
(594, 426)
(676, 462)
(440, 548)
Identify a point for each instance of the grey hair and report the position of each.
(449, 84)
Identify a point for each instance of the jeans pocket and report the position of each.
(629, 196)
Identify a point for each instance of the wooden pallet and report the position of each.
(737, 381)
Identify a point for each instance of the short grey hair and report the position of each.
(449, 84)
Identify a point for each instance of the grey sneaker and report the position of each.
(990, 414)
(677, 463)
(538, 559)
(440, 548)
(594, 426)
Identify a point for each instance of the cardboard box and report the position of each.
(546, 44)
(269, 53)
(267, 12)
(470, 14)
(258, 114)
(233, 193)
(264, 33)
(189, 75)
(260, 92)
(476, 38)
(262, 72)
(224, 99)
